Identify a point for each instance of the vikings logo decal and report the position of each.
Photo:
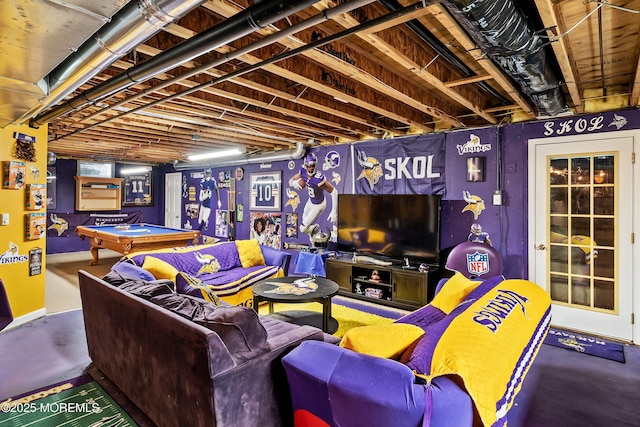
(59, 224)
(209, 264)
(12, 255)
(336, 178)
(473, 145)
(298, 287)
(475, 204)
(371, 169)
(35, 172)
(571, 342)
(618, 121)
(293, 199)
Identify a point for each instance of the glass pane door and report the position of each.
(582, 230)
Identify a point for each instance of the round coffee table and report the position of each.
(298, 290)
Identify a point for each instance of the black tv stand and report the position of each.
(393, 285)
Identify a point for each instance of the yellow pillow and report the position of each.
(388, 340)
(159, 268)
(453, 292)
(250, 253)
(377, 236)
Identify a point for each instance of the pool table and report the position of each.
(138, 237)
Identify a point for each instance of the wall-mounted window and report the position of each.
(97, 169)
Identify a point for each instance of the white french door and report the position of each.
(581, 204)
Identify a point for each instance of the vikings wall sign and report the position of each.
(12, 255)
(472, 146)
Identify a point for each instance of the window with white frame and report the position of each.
(97, 169)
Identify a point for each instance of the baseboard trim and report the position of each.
(25, 318)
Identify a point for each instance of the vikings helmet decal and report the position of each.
(331, 160)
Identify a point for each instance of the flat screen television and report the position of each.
(391, 226)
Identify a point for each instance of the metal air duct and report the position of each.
(274, 156)
(135, 22)
(255, 17)
(503, 33)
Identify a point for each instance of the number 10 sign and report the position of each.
(266, 191)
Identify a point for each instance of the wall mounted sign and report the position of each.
(475, 169)
(35, 261)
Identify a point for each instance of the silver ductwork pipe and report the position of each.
(255, 17)
(503, 33)
(273, 156)
(135, 22)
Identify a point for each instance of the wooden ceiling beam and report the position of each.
(267, 122)
(634, 86)
(308, 118)
(227, 11)
(377, 43)
(468, 81)
(329, 135)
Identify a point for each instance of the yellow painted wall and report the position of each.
(26, 293)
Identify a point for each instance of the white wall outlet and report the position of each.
(5, 219)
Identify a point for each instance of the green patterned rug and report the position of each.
(77, 402)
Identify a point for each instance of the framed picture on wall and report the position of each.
(137, 190)
(222, 223)
(266, 191)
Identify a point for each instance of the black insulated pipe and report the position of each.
(255, 17)
(503, 33)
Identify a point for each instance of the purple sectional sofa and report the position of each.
(186, 362)
(227, 268)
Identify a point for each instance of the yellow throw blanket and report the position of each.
(489, 340)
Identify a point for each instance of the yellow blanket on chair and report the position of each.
(489, 340)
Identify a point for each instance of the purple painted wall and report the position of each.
(504, 149)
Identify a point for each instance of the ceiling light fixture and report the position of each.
(134, 169)
(215, 154)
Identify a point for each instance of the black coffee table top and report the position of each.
(295, 289)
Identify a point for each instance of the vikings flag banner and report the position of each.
(412, 165)
(64, 224)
